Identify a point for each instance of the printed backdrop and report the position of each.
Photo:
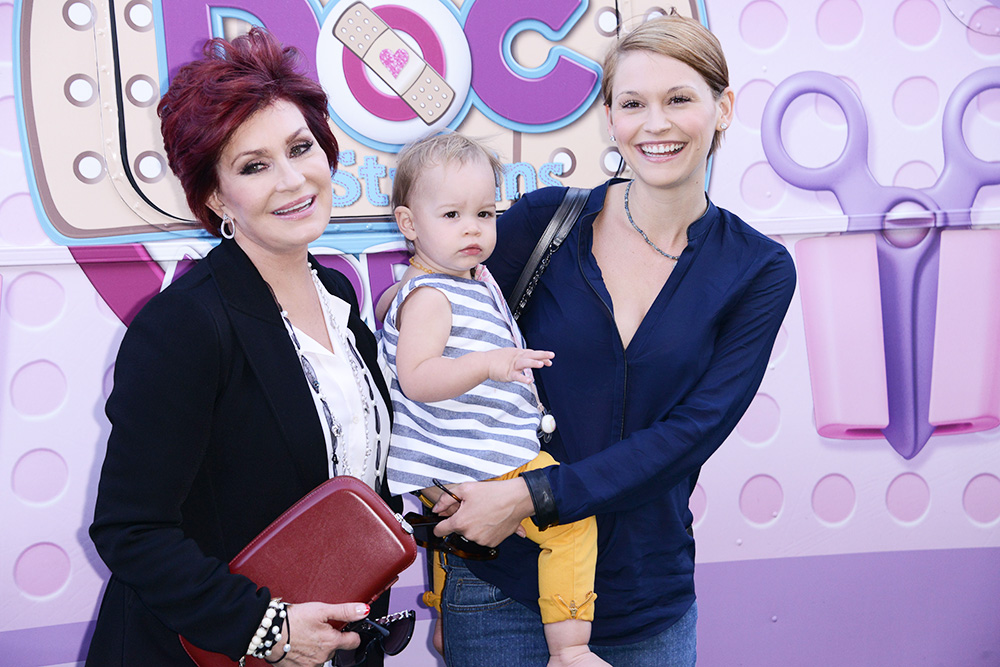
(854, 515)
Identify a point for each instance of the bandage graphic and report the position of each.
(366, 35)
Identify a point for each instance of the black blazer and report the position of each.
(214, 434)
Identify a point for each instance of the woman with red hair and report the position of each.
(242, 386)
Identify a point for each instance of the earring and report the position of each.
(725, 126)
(612, 138)
(228, 227)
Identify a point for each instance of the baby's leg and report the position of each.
(566, 584)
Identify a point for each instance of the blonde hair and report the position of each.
(676, 37)
(437, 149)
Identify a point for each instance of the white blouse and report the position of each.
(364, 443)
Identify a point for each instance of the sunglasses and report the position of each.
(423, 533)
(392, 633)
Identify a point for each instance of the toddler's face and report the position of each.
(452, 217)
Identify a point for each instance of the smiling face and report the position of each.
(274, 182)
(664, 117)
(451, 219)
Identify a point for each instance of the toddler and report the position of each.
(462, 393)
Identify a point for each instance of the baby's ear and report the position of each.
(404, 220)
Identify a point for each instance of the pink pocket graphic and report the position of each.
(394, 62)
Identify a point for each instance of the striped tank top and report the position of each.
(486, 432)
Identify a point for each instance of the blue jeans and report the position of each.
(485, 628)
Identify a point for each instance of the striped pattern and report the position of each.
(484, 433)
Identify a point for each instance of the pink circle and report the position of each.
(39, 476)
(35, 299)
(761, 499)
(698, 503)
(761, 421)
(41, 570)
(761, 188)
(751, 100)
(916, 100)
(18, 223)
(9, 141)
(391, 107)
(916, 174)
(763, 24)
(833, 498)
(981, 499)
(981, 40)
(917, 22)
(839, 22)
(908, 497)
(38, 388)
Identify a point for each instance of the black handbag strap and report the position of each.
(555, 233)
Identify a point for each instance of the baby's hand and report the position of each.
(513, 364)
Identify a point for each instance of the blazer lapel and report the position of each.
(269, 351)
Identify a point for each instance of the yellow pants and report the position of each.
(565, 565)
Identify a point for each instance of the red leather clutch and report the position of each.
(340, 543)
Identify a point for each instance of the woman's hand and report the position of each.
(313, 640)
(489, 513)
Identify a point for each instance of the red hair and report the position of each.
(210, 98)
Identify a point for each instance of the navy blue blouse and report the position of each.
(636, 424)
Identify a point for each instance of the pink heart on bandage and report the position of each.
(394, 62)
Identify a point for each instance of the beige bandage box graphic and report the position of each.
(417, 83)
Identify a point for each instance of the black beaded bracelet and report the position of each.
(288, 641)
(269, 632)
(546, 512)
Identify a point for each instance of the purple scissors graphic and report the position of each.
(908, 275)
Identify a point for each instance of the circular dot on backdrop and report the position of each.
(150, 167)
(18, 222)
(981, 499)
(917, 22)
(763, 24)
(89, 167)
(606, 21)
(751, 100)
(9, 141)
(139, 15)
(761, 499)
(761, 421)
(761, 188)
(979, 125)
(908, 497)
(833, 498)
(566, 157)
(37, 388)
(610, 161)
(982, 43)
(916, 100)
(78, 14)
(916, 174)
(39, 476)
(839, 22)
(80, 90)
(698, 503)
(142, 91)
(41, 570)
(35, 299)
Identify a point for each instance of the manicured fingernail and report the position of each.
(361, 609)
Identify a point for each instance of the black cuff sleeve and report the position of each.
(546, 512)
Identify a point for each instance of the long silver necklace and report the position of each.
(360, 379)
(628, 214)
